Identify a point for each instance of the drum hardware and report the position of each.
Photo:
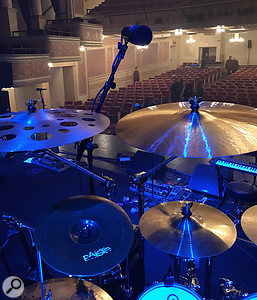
(228, 291)
(110, 185)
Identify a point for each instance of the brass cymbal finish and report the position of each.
(249, 223)
(84, 235)
(217, 129)
(66, 288)
(48, 128)
(206, 232)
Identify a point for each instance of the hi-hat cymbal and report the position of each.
(249, 223)
(218, 129)
(66, 288)
(48, 128)
(207, 232)
(84, 235)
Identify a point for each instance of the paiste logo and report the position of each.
(98, 253)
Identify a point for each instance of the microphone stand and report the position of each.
(88, 143)
(110, 83)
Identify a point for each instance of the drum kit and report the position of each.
(85, 236)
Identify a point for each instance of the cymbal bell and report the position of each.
(66, 288)
(206, 232)
(249, 223)
(48, 128)
(84, 235)
(217, 129)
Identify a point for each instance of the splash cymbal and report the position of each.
(84, 235)
(217, 129)
(48, 128)
(206, 232)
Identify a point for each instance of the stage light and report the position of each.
(81, 48)
(50, 64)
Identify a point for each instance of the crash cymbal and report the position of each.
(217, 129)
(207, 232)
(66, 288)
(84, 235)
(48, 128)
(249, 223)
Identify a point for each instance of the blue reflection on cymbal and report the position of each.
(190, 238)
(208, 149)
(157, 143)
(194, 117)
(182, 238)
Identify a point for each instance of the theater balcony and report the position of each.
(166, 14)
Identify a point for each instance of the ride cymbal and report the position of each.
(170, 227)
(84, 235)
(48, 128)
(249, 223)
(217, 129)
(66, 288)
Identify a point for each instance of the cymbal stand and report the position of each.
(12, 222)
(87, 144)
(208, 273)
(109, 183)
(229, 292)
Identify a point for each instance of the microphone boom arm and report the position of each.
(110, 83)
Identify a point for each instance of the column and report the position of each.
(8, 18)
(37, 21)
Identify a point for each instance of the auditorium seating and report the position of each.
(152, 91)
(240, 87)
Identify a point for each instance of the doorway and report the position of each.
(209, 52)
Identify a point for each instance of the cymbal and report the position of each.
(207, 232)
(48, 128)
(66, 288)
(84, 235)
(218, 129)
(249, 223)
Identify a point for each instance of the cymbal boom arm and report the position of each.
(109, 182)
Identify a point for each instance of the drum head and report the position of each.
(162, 291)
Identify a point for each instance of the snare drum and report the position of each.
(162, 291)
(251, 297)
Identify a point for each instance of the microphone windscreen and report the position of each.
(137, 34)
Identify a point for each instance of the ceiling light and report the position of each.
(190, 40)
(142, 47)
(237, 29)
(220, 28)
(178, 32)
(236, 38)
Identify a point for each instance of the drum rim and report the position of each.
(176, 285)
(249, 297)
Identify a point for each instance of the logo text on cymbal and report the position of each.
(98, 253)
